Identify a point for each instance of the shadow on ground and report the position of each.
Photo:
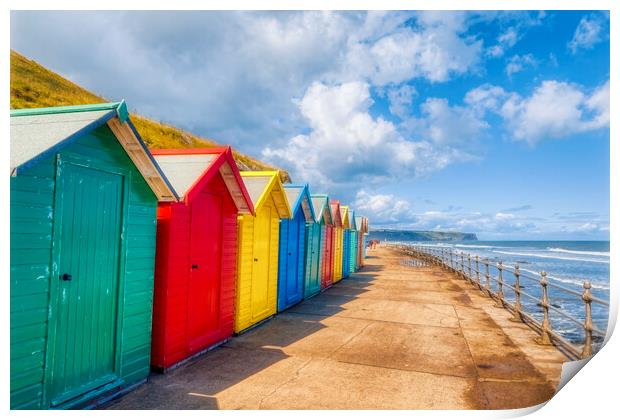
(297, 331)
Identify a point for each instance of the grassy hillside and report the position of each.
(34, 86)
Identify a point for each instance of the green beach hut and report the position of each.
(84, 191)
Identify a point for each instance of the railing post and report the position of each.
(500, 285)
(471, 280)
(478, 272)
(545, 337)
(463, 265)
(451, 260)
(517, 317)
(488, 277)
(587, 325)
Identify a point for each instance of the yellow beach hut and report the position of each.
(257, 259)
(338, 238)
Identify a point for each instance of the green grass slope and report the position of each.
(34, 86)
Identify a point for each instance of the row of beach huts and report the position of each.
(125, 260)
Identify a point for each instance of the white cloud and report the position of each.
(554, 110)
(400, 99)
(502, 225)
(504, 42)
(382, 208)
(520, 22)
(344, 140)
(471, 222)
(517, 63)
(598, 103)
(485, 97)
(448, 125)
(504, 216)
(433, 50)
(347, 147)
(591, 29)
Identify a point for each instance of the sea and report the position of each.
(568, 265)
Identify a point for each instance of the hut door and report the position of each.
(205, 263)
(82, 335)
(292, 263)
(316, 250)
(260, 268)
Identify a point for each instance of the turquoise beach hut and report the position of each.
(292, 259)
(354, 241)
(84, 194)
(312, 274)
(346, 241)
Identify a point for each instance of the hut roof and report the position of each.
(38, 133)
(322, 209)
(299, 197)
(359, 224)
(337, 218)
(352, 221)
(344, 215)
(262, 184)
(189, 169)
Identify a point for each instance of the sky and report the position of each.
(495, 123)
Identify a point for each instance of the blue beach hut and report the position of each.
(292, 258)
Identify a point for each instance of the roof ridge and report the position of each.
(119, 107)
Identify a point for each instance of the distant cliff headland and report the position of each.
(419, 235)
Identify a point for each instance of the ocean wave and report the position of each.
(551, 257)
(477, 246)
(570, 251)
(573, 282)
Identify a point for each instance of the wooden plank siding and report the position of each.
(244, 317)
(32, 217)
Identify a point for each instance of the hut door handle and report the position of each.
(194, 266)
(255, 259)
(65, 277)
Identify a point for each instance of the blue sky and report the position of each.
(494, 122)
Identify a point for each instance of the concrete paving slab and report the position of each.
(497, 357)
(329, 384)
(303, 335)
(410, 347)
(404, 312)
(501, 395)
(223, 378)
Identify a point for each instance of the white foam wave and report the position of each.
(573, 282)
(552, 257)
(570, 251)
(477, 246)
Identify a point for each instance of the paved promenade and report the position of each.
(394, 336)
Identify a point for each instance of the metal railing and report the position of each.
(490, 279)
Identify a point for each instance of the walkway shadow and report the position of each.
(197, 384)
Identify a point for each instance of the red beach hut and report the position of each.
(196, 258)
(321, 206)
